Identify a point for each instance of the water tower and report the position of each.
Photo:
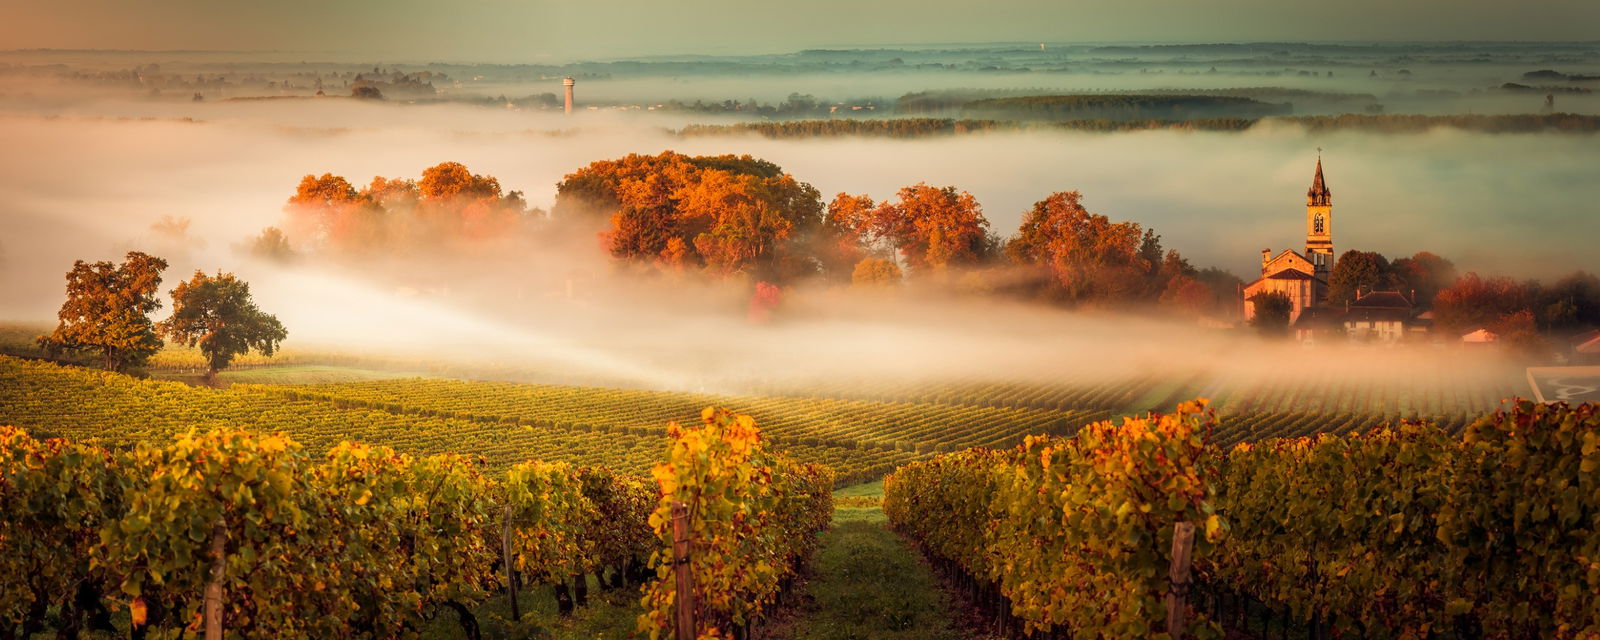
(568, 82)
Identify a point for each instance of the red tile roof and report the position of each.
(1382, 300)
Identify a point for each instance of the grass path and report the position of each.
(869, 583)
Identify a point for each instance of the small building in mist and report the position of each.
(1379, 316)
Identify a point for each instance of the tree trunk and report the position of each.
(580, 588)
(34, 622)
(219, 566)
(89, 602)
(469, 623)
(563, 599)
(69, 621)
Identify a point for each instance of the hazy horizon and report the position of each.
(502, 30)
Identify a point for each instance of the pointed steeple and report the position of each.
(1319, 195)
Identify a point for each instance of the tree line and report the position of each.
(1121, 107)
(1517, 311)
(733, 215)
(741, 217)
(973, 123)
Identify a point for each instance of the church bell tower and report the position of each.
(1319, 224)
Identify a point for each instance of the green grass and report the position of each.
(870, 584)
(610, 615)
(866, 490)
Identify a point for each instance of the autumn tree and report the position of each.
(1519, 333)
(936, 227)
(1188, 296)
(448, 180)
(875, 273)
(448, 209)
(392, 193)
(1225, 289)
(1091, 257)
(107, 311)
(216, 314)
(1423, 275)
(1272, 314)
(327, 190)
(327, 210)
(852, 231)
(1358, 271)
(1475, 302)
(725, 214)
(272, 245)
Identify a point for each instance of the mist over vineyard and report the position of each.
(99, 186)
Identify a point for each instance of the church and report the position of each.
(1301, 277)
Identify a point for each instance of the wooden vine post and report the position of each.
(219, 565)
(505, 553)
(1178, 591)
(684, 608)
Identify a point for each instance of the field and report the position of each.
(862, 428)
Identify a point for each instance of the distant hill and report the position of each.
(1371, 123)
(1121, 107)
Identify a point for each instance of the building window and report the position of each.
(1318, 226)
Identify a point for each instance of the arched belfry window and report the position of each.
(1318, 225)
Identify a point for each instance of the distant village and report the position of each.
(1300, 281)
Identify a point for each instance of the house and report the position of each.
(1378, 316)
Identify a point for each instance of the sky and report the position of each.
(540, 31)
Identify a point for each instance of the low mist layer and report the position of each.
(194, 192)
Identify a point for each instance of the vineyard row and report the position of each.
(252, 534)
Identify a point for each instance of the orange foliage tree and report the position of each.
(449, 208)
(725, 214)
(1092, 258)
(935, 227)
(1475, 302)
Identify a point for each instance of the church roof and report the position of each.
(1291, 274)
(1285, 274)
(1319, 195)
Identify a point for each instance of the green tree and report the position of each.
(1272, 314)
(106, 311)
(1569, 303)
(217, 315)
(1358, 271)
(272, 245)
